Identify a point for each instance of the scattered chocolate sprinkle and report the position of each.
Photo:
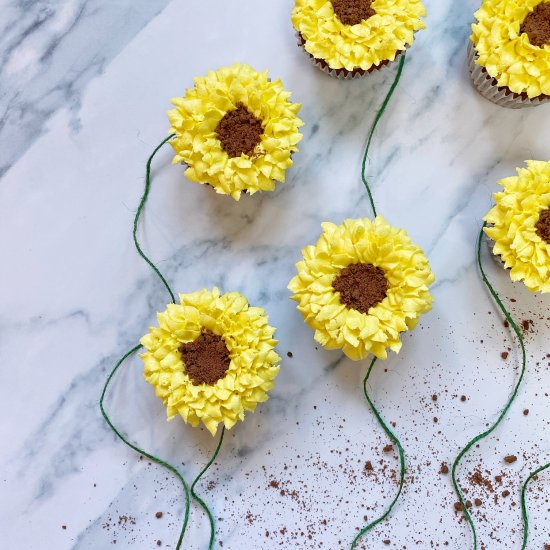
(436, 420)
(63, 527)
(543, 225)
(352, 12)
(361, 286)
(444, 469)
(434, 397)
(206, 359)
(158, 515)
(388, 448)
(537, 25)
(526, 412)
(289, 354)
(504, 355)
(510, 459)
(239, 131)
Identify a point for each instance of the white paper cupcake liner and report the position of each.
(342, 74)
(485, 85)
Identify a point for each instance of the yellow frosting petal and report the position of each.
(249, 340)
(376, 39)
(505, 52)
(362, 241)
(513, 222)
(196, 116)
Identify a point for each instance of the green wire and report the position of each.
(504, 411)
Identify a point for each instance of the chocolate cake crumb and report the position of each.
(478, 502)
(386, 542)
(361, 286)
(543, 225)
(525, 412)
(159, 543)
(206, 359)
(388, 448)
(239, 131)
(444, 469)
(458, 507)
(510, 459)
(158, 515)
(505, 493)
(368, 466)
(504, 355)
(525, 324)
(352, 12)
(434, 397)
(289, 354)
(463, 398)
(63, 527)
(537, 25)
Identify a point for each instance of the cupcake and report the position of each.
(211, 359)
(519, 225)
(509, 52)
(351, 38)
(361, 285)
(236, 131)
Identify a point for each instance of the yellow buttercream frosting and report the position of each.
(196, 116)
(376, 39)
(514, 219)
(249, 340)
(506, 53)
(373, 242)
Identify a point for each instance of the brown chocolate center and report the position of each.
(361, 286)
(543, 225)
(239, 131)
(537, 25)
(352, 12)
(206, 359)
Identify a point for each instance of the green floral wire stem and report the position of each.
(385, 427)
(381, 111)
(151, 457)
(402, 467)
(142, 202)
(506, 408)
(154, 458)
(524, 513)
(199, 499)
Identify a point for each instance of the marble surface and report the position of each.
(85, 88)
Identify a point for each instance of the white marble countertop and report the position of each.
(85, 89)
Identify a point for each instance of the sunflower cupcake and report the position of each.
(351, 38)
(235, 131)
(509, 52)
(361, 285)
(519, 225)
(211, 359)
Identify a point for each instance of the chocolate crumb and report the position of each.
(289, 354)
(63, 527)
(361, 286)
(478, 502)
(352, 12)
(434, 397)
(510, 459)
(444, 468)
(463, 398)
(537, 27)
(388, 448)
(525, 325)
(458, 507)
(505, 493)
(159, 543)
(504, 355)
(368, 466)
(158, 515)
(206, 359)
(239, 131)
(526, 412)
(386, 542)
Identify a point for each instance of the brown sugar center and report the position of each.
(361, 286)
(543, 225)
(239, 131)
(352, 12)
(206, 359)
(537, 25)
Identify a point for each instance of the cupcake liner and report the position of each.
(487, 86)
(343, 74)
